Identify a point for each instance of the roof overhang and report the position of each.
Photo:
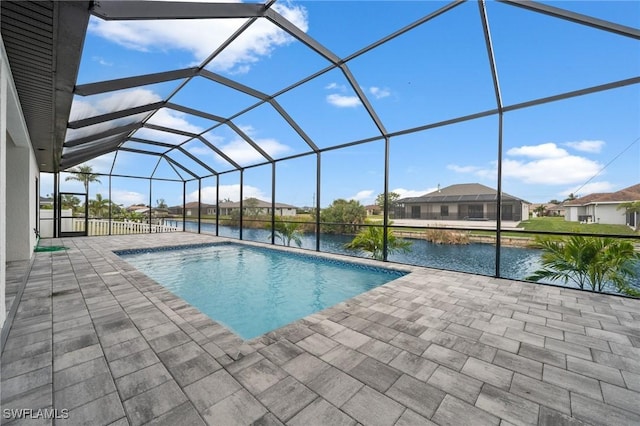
(44, 41)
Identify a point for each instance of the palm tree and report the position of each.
(588, 262)
(371, 240)
(97, 206)
(540, 210)
(83, 174)
(287, 232)
(68, 201)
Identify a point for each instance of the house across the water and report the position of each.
(250, 206)
(465, 201)
(604, 207)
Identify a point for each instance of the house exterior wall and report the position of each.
(3, 180)
(21, 198)
(463, 211)
(573, 212)
(285, 212)
(18, 173)
(609, 214)
(599, 213)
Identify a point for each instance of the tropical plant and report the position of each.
(69, 201)
(392, 197)
(134, 216)
(161, 204)
(287, 232)
(342, 216)
(98, 206)
(540, 210)
(371, 240)
(234, 217)
(250, 207)
(83, 174)
(588, 262)
(443, 236)
(631, 207)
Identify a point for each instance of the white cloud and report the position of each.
(160, 136)
(104, 104)
(199, 151)
(335, 86)
(127, 198)
(365, 196)
(128, 99)
(171, 119)
(587, 146)
(272, 146)
(379, 93)
(111, 102)
(545, 150)
(174, 119)
(410, 193)
(231, 192)
(551, 171)
(102, 61)
(243, 153)
(590, 188)
(547, 164)
(101, 164)
(238, 149)
(463, 169)
(341, 101)
(201, 37)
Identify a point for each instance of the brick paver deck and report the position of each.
(97, 338)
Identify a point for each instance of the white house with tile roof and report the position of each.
(604, 207)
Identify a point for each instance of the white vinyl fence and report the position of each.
(101, 227)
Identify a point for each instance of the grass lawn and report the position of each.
(545, 224)
(558, 224)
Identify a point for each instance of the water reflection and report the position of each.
(515, 262)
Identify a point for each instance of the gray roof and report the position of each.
(260, 204)
(462, 192)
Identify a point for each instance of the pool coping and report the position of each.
(335, 259)
(260, 341)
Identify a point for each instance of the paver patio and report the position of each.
(94, 336)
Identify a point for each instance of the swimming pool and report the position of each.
(253, 290)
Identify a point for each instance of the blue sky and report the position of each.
(436, 72)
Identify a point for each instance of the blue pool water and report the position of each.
(254, 290)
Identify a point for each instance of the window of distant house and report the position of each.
(444, 210)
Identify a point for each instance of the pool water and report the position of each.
(254, 290)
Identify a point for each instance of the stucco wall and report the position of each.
(3, 180)
(21, 176)
(18, 173)
(601, 213)
(607, 213)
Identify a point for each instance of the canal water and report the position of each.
(515, 262)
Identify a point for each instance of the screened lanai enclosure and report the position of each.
(441, 120)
